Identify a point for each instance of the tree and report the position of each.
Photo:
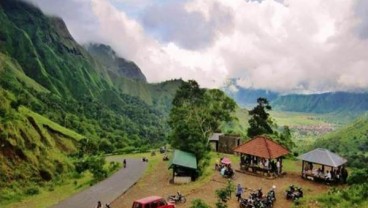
(259, 122)
(196, 113)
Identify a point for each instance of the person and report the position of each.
(99, 205)
(278, 165)
(239, 191)
(328, 176)
(124, 162)
(344, 174)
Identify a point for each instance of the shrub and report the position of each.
(199, 203)
(358, 177)
(32, 191)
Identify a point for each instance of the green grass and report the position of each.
(290, 119)
(48, 197)
(46, 122)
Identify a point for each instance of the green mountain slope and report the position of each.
(52, 93)
(128, 78)
(350, 141)
(116, 66)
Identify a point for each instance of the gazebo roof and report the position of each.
(323, 157)
(184, 159)
(262, 146)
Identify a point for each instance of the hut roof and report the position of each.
(323, 157)
(215, 136)
(184, 159)
(262, 146)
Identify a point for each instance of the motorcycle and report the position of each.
(294, 193)
(177, 198)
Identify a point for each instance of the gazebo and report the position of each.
(323, 157)
(259, 155)
(184, 165)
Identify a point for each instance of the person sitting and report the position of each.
(328, 176)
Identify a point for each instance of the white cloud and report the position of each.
(304, 45)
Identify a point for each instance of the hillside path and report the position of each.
(107, 190)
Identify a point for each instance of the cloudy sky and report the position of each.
(283, 45)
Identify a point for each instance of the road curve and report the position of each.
(107, 190)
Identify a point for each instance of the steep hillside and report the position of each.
(126, 76)
(51, 88)
(337, 102)
(350, 141)
(77, 90)
(116, 66)
(32, 148)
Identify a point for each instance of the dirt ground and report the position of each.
(158, 184)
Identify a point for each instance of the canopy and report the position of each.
(262, 146)
(226, 161)
(323, 157)
(184, 159)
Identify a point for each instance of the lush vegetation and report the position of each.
(350, 141)
(195, 115)
(56, 98)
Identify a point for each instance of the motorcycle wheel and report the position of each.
(183, 199)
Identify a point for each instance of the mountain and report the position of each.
(323, 103)
(128, 78)
(350, 141)
(116, 66)
(247, 97)
(53, 93)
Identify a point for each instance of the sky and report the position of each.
(288, 46)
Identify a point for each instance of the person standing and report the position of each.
(99, 205)
(124, 163)
(239, 191)
(278, 166)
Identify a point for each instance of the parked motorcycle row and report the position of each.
(256, 199)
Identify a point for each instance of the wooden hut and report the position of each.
(314, 166)
(261, 155)
(184, 165)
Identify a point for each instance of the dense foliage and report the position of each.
(195, 115)
(49, 82)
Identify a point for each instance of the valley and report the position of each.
(70, 112)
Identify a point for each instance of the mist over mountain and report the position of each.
(115, 65)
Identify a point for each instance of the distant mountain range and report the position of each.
(331, 102)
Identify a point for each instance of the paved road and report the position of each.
(107, 190)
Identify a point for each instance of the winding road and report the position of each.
(107, 190)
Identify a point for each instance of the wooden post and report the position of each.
(302, 168)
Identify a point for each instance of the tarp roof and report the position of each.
(323, 157)
(184, 159)
(215, 136)
(262, 146)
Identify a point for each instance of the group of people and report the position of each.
(273, 166)
(225, 169)
(339, 174)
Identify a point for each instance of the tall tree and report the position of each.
(197, 113)
(259, 123)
